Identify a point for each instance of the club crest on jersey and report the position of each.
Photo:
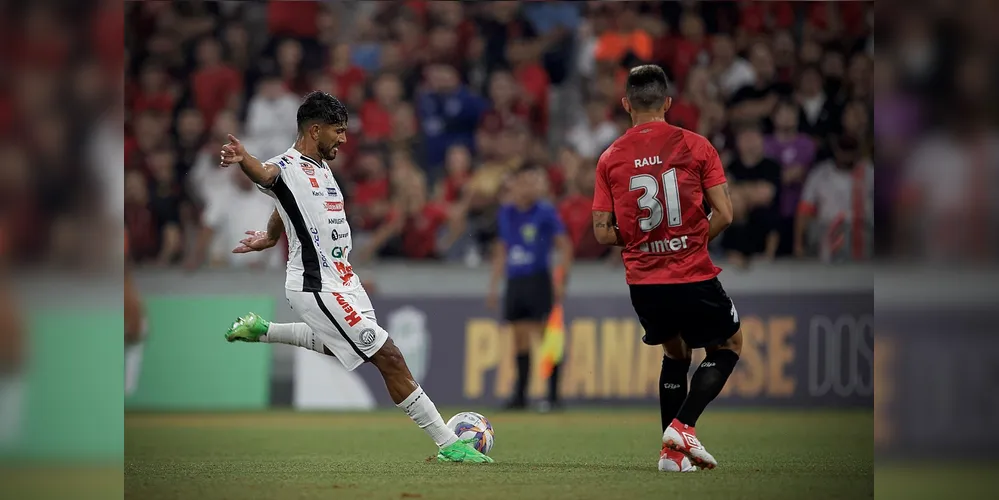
(308, 168)
(648, 162)
(334, 206)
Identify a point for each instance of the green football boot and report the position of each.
(249, 328)
(462, 451)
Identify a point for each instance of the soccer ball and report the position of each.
(471, 425)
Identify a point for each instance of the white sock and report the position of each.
(421, 409)
(133, 366)
(11, 405)
(296, 334)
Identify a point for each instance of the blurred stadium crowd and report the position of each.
(446, 98)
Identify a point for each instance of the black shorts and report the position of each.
(528, 298)
(701, 313)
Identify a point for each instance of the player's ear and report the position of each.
(666, 104)
(626, 105)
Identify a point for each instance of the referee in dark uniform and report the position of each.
(529, 228)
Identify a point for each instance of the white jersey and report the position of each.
(311, 206)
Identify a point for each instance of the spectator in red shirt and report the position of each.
(216, 85)
(405, 128)
(376, 114)
(530, 73)
(297, 19)
(143, 239)
(506, 109)
(289, 61)
(458, 166)
(413, 228)
(574, 212)
(149, 132)
(344, 73)
(155, 91)
(785, 56)
(691, 49)
(370, 200)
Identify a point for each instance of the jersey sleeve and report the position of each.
(281, 163)
(712, 172)
(602, 199)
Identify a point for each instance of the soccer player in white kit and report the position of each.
(321, 285)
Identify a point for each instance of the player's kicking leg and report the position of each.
(351, 345)
(672, 393)
(705, 385)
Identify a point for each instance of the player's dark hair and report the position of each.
(647, 87)
(322, 108)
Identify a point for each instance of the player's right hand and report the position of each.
(254, 242)
(232, 152)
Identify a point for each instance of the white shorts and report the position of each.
(343, 321)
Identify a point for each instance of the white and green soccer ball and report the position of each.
(471, 425)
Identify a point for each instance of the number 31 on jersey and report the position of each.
(650, 201)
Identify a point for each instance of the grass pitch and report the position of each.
(574, 455)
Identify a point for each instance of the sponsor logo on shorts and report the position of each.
(665, 245)
(334, 206)
(352, 318)
(367, 336)
(308, 168)
(314, 182)
(671, 387)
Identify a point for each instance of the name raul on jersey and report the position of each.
(648, 162)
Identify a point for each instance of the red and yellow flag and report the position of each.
(553, 343)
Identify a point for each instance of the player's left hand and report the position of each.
(559, 292)
(254, 242)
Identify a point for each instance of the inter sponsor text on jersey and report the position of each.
(319, 241)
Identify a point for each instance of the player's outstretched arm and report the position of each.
(262, 240)
(721, 209)
(263, 174)
(605, 229)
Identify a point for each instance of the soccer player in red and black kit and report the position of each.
(649, 196)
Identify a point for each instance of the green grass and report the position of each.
(576, 455)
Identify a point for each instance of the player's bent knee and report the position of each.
(677, 349)
(389, 358)
(734, 344)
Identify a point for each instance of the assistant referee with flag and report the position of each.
(529, 229)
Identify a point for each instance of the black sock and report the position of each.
(553, 385)
(706, 384)
(672, 388)
(523, 372)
